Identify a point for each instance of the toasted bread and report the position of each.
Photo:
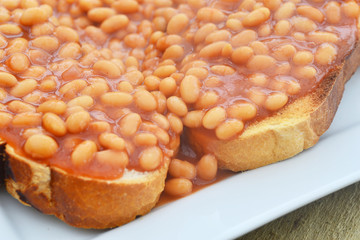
(296, 127)
(81, 201)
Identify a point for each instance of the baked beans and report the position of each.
(114, 82)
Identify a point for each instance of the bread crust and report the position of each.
(293, 129)
(81, 201)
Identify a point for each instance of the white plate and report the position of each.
(231, 207)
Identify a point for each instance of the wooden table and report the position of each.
(336, 216)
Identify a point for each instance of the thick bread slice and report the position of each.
(82, 201)
(293, 129)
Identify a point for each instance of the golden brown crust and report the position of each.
(80, 201)
(290, 131)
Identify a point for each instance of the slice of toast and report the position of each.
(82, 201)
(296, 127)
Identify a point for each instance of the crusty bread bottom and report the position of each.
(81, 201)
(289, 132)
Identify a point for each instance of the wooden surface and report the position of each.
(336, 216)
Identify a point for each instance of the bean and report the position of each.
(160, 120)
(272, 4)
(126, 6)
(177, 24)
(175, 123)
(54, 124)
(229, 129)
(112, 141)
(243, 38)
(208, 14)
(95, 89)
(222, 70)
(107, 68)
(325, 54)
(113, 158)
(7, 79)
(168, 86)
(47, 43)
(243, 110)
(10, 29)
(199, 72)
(333, 12)
(125, 87)
(96, 35)
(130, 124)
(18, 62)
(99, 126)
(351, 9)
(282, 27)
(212, 50)
(214, 117)
(135, 77)
(23, 88)
(17, 45)
(161, 101)
(256, 17)
(203, 32)
(87, 5)
(20, 107)
(173, 52)
(40, 146)
(264, 30)
(164, 71)
(83, 153)
(5, 119)
(152, 82)
(135, 40)
(114, 23)
(234, 24)
(303, 58)
(284, 52)
(322, 37)
(276, 101)
(261, 62)
(69, 90)
(285, 11)
(305, 72)
(241, 55)
(55, 106)
(220, 35)
(150, 158)
(247, 5)
(83, 101)
(182, 169)
(78, 121)
(145, 139)
(145, 101)
(256, 96)
(26, 119)
(206, 100)
(206, 168)
(100, 14)
(303, 24)
(116, 99)
(311, 13)
(178, 187)
(177, 105)
(190, 89)
(66, 34)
